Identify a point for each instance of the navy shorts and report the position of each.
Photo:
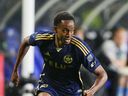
(44, 87)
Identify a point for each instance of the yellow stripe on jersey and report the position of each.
(79, 48)
(80, 45)
(44, 37)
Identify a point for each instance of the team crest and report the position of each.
(68, 59)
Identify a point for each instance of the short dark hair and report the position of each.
(115, 29)
(63, 16)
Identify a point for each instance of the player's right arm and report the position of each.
(34, 39)
(22, 51)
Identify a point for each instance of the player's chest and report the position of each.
(61, 57)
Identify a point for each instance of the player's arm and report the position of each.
(22, 51)
(101, 78)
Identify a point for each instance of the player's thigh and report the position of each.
(44, 94)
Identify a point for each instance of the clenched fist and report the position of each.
(88, 93)
(15, 77)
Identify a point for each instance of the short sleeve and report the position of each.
(86, 56)
(32, 39)
(91, 62)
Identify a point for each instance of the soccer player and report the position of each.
(63, 55)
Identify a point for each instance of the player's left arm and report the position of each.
(91, 63)
(101, 78)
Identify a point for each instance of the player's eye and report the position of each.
(65, 30)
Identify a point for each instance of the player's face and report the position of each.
(65, 30)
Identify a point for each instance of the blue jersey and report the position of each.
(61, 68)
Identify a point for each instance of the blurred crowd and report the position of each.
(112, 51)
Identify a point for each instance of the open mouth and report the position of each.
(67, 40)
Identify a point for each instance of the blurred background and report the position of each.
(102, 24)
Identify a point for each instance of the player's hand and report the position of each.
(15, 78)
(88, 93)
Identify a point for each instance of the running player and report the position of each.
(63, 55)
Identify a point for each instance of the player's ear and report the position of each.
(55, 28)
(75, 30)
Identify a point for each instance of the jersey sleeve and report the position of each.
(90, 62)
(40, 37)
(32, 39)
(87, 57)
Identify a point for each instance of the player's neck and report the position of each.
(58, 42)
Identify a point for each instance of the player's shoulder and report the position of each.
(80, 44)
(44, 30)
(45, 34)
(78, 41)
